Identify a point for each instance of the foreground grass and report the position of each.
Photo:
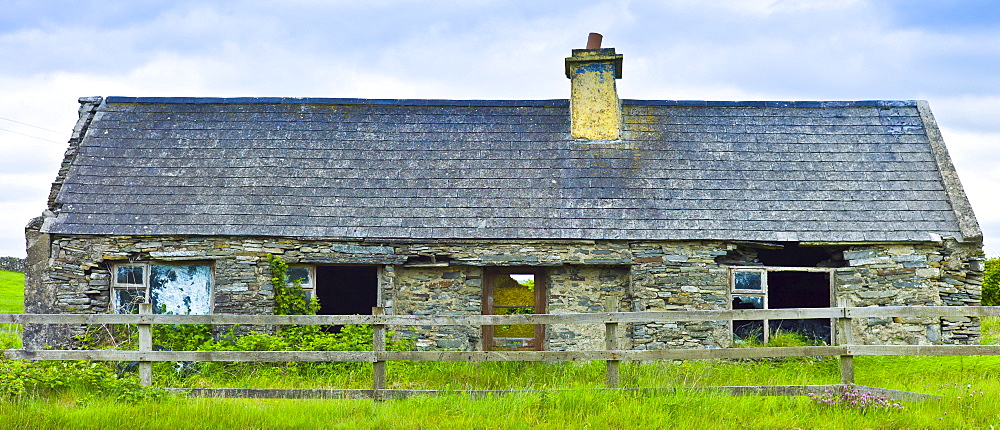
(969, 386)
(557, 410)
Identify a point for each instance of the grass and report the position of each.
(11, 302)
(11, 292)
(990, 331)
(969, 386)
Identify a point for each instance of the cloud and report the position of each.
(691, 49)
(979, 170)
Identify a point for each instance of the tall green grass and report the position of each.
(969, 386)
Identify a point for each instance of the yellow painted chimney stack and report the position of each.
(596, 112)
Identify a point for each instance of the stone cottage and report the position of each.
(442, 207)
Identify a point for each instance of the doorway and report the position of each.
(514, 291)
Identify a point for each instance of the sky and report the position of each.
(943, 51)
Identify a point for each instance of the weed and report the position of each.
(855, 399)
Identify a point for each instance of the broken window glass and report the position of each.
(748, 302)
(127, 300)
(180, 289)
(129, 275)
(298, 273)
(780, 288)
(747, 281)
(302, 274)
(748, 331)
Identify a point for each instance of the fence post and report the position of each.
(611, 343)
(845, 332)
(378, 346)
(145, 346)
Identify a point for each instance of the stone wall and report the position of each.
(912, 275)
(438, 291)
(73, 275)
(578, 288)
(677, 277)
(12, 264)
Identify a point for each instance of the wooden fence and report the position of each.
(844, 346)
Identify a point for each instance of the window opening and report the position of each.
(170, 288)
(345, 290)
(781, 288)
(789, 289)
(511, 291)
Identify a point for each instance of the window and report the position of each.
(781, 288)
(512, 291)
(304, 274)
(170, 288)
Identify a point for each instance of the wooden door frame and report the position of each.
(541, 297)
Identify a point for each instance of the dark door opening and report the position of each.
(800, 290)
(347, 290)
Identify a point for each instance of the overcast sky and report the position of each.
(943, 51)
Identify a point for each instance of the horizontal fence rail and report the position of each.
(844, 348)
(439, 320)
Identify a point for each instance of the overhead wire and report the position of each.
(31, 125)
(28, 135)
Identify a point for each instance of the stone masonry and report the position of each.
(73, 275)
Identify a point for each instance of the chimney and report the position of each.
(595, 112)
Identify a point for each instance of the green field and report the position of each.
(11, 292)
(11, 302)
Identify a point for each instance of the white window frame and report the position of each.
(145, 285)
(764, 293)
(308, 287)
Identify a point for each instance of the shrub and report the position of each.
(21, 378)
(289, 297)
(991, 282)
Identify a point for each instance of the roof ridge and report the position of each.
(510, 103)
(776, 103)
(337, 101)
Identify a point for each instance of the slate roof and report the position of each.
(444, 169)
